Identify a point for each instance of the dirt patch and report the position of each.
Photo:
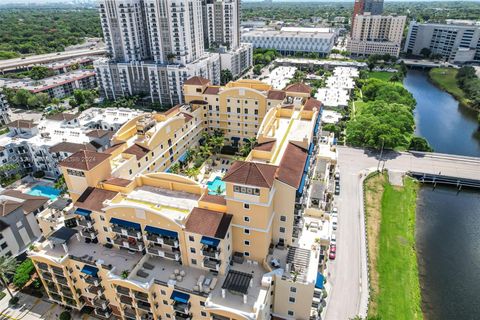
(373, 192)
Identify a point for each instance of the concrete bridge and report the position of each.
(426, 64)
(30, 61)
(439, 179)
(347, 274)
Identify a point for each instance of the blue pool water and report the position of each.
(214, 184)
(44, 191)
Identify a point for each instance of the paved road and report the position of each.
(348, 273)
(12, 64)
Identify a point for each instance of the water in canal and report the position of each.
(448, 127)
(448, 247)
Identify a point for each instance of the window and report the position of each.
(8, 254)
(130, 171)
(246, 206)
(105, 229)
(291, 313)
(291, 299)
(283, 218)
(191, 238)
(293, 289)
(204, 314)
(229, 109)
(163, 292)
(168, 315)
(4, 245)
(202, 303)
(246, 231)
(246, 219)
(246, 190)
(282, 229)
(102, 218)
(192, 250)
(246, 242)
(194, 261)
(246, 254)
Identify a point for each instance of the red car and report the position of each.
(333, 248)
(332, 255)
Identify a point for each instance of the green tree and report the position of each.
(247, 146)
(23, 273)
(79, 97)
(33, 101)
(43, 98)
(21, 97)
(175, 168)
(257, 69)
(425, 52)
(65, 315)
(40, 72)
(225, 76)
(419, 144)
(8, 265)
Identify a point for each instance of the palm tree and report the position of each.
(247, 146)
(8, 265)
(217, 143)
(205, 150)
(192, 172)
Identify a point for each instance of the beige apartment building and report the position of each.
(376, 34)
(155, 245)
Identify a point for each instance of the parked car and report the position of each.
(332, 255)
(337, 189)
(334, 212)
(333, 239)
(334, 223)
(337, 176)
(333, 248)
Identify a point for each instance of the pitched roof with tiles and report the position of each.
(298, 87)
(114, 147)
(27, 202)
(120, 182)
(265, 146)
(276, 94)
(312, 103)
(251, 174)
(208, 223)
(137, 150)
(212, 90)
(71, 147)
(63, 116)
(97, 133)
(197, 81)
(213, 198)
(22, 124)
(84, 160)
(290, 169)
(93, 198)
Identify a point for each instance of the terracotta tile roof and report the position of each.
(197, 81)
(92, 198)
(312, 103)
(298, 87)
(187, 116)
(212, 198)
(97, 133)
(84, 160)
(212, 90)
(276, 94)
(137, 150)
(63, 116)
(265, 146)
(114, 147)
(71, 147)
(290, 169)
(251, 173)
(172, 109)
(208, 223)
(118, 182)
(27, 202)
(23, 124)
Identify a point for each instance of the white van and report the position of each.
(334, 223)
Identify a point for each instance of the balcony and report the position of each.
(104, 313)
(61, 280)
(47, 276)
(129, 243)
(143, 305)
(183, 308)
(130, 313)
(85, 223)
(126, 300)
(96, 290)
(58, 271)
(172, 242)
(123, 290)
(42, 266)
(89, 233)
(66, 293)
(164, 253)
(211, 252)
(182, 316)
(211, 264)
(141, 296)
(126, 231)
(100, 302)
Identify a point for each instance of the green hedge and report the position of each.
(23, 273)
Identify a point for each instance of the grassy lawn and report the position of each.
(444, 78)
(382, 75)
(390, 212)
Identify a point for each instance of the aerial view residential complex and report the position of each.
(212, 159)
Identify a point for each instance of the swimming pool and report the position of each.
(216, 185)
(44, 191)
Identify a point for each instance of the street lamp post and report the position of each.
(381, 155)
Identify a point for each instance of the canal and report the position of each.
(448, 127)
(448, 223)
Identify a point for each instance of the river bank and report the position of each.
(393, 270)
(445, 79)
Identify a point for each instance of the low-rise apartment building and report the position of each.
(58, 86)
(154, 245)
(376, 34)
(40, 146)
(291, 40)
(18, 225)
(4, 110)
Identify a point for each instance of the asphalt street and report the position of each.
(348, 272)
